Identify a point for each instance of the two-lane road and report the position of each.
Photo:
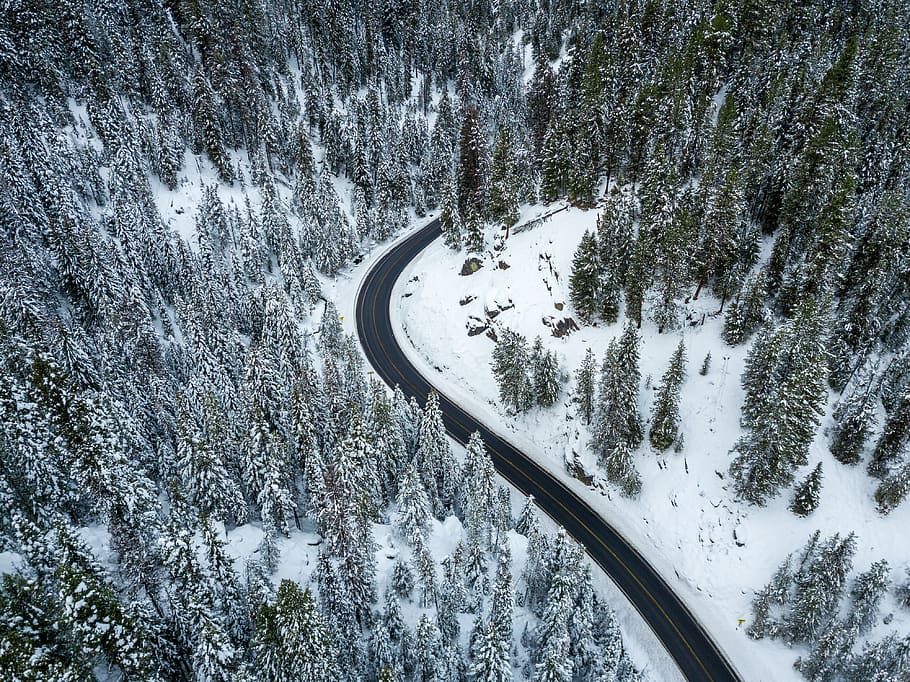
(697, 656)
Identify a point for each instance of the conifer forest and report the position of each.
(674, 267)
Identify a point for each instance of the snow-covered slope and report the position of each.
(716, 550)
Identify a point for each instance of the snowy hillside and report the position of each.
(687, 520)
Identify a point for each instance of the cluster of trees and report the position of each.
(165, 390)
(526, 376)
(796, 156)
(610, 405)
(804, 604)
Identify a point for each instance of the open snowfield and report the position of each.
(713, 549)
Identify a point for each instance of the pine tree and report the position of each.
(402, 579)
(474, 231)
(472, 166)
(545, 376)
(819, 586)
(705, 365)
(293, 640)
(785, 395)
(747, 313)
(866, 593)
(805, 499)
(414, 511)
(584, 385)
(584, 281)
(895, 436)
(854, 418)
(665, 414)
(893, 490)
(511, 361)
(617, 424)
(450, 217)
(503, 202)
(614, 239)
(491, 656)
(434, 460)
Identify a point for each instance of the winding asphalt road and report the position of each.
(697, 656)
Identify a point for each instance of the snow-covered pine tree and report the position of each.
(585, 385)
(511, 362)
(473, 165)
(450, 217)
(665, 413)
(785, 395)
(617, 424)
(544, 375)
(747, 312)
(584, 283)
(503, 201)
(866, 595)
(806, 496)
(414, 511)
(854, 418)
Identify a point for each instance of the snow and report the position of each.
(714, 550)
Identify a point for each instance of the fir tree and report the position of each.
(414, 509)
(584, 281)
(584, 385)
(854, 417)
(511, 361)
(472, 166)
(665, 414)
(705, 365)
(785, 392)
(805, 499)
(450, 217)
(544, 375)
(617, 424)
(503, 202)
(866, 594)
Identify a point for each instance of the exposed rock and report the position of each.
(564, 327)
(475, 326)
(491, 334)
(559, 305)
(503, 265)
(467, 299)
(471, 265)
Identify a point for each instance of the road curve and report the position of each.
(697, 656)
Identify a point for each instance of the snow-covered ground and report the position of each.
(714, 550)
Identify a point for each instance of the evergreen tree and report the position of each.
(450, 218)
(503, 202)
(511, 362)
(292, 640)
(894, 489)
(895, 436)
(472, 165)
(544, 375)
(854, 418)
(584, 385)
(805, 499)
(785, 393)
(866, 594)
(584, 281)
(617, 424)
(747, 313)
(665, 414)
(414, 509)
(474, 231)
(705, 365)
